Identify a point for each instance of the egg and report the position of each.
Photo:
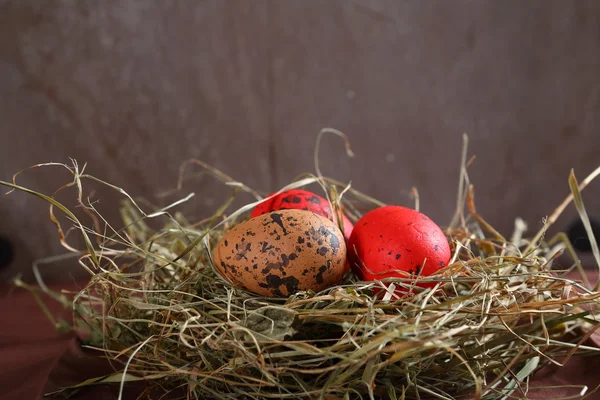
(282, 252)
(391, 239)
(298, 199)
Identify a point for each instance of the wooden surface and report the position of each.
(134, 88)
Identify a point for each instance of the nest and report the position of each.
(158, 311)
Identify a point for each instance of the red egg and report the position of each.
(300, 200)
(391, 239)
(263, 208)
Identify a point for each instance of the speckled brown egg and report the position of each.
(282, 252)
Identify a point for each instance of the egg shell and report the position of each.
(282, 252)
(394, 238)
(298, 199)
(263, 208)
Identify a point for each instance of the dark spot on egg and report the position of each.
(441, 263)
(276, 218)
(322, 251)
(228, 267)
(290, 283)
(250, 233)
(319, 276)
(285, 261)
(398, 256)
(335, 242)
(314, 200)
(226, 242)
(324, 231)
(409, 250)
(309, 245)
(255, 266)
(300, 239)
(304, 272)
(270, 266)
(436, 247)
(389, 253)
(242, 254)
(320, 242)
(293, 256)
(266, 247)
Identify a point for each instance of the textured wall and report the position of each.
(133, 88)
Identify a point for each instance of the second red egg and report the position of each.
(298, 199)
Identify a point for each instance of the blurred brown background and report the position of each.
(134, 88)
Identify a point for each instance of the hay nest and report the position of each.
(156, 308)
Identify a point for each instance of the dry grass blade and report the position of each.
(585, 219)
